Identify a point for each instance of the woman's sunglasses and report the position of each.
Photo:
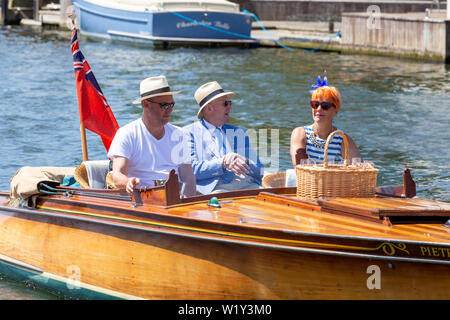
(325, 105)
(227, 103)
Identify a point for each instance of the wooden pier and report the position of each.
(326, 10)
(411, 29)
(417, 35)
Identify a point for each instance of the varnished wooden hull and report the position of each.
(159, 256)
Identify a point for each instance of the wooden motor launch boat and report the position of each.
(163, 23)
(269, 243)
(245, 244)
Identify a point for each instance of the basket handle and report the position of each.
(325, 152)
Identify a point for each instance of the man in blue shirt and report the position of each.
(221, 156)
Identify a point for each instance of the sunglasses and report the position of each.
(227, 103)
(325, 105)
(164, 105)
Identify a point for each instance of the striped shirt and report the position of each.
(316, 153)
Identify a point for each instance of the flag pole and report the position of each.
(83, 140)
(71, 16)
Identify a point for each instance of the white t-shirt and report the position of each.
(149, 158)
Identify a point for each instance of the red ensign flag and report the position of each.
(95, 112)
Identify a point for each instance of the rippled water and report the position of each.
(10, 290)
(397, 111)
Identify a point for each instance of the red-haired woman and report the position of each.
(325, 104)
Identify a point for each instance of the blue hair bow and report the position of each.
(320, 82)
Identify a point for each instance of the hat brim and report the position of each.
(137, 101)
(200, 111)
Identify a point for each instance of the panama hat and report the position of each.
(207, 93)
(154, 87)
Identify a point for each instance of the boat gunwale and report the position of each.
(291, 231)
(140, 212)
(250, 228)
(239, 242)
(92, 217)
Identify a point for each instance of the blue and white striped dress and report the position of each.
(316, 153)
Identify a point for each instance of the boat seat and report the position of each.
(94, 174)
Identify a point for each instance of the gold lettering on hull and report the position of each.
(435, 252)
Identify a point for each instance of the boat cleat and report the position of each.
(214, 202)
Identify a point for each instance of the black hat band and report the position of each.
(209, 96)
(161, 90)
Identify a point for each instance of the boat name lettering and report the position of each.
(226, 309)
(219, 24)
(435, 252)
(192, 24)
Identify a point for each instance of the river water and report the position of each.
(397, 111)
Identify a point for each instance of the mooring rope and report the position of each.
(210, 27)
(271, 37)
(46, 189)
(265, 30)
(229, 32)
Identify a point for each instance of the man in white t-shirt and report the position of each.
(148, 148)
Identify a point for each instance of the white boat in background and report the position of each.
(165, 22)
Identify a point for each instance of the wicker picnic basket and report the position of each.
(335, 180)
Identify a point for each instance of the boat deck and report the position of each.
(276, 212)
(260, 212)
